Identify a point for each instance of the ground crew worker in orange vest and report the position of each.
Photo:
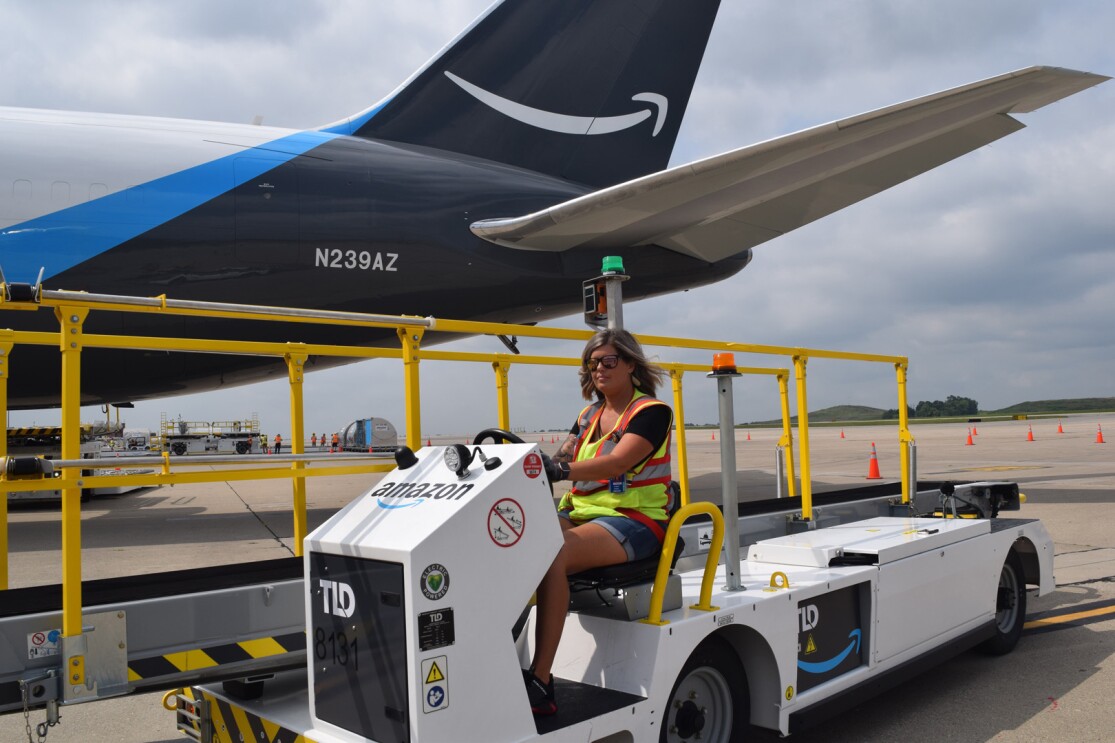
(336, 444)
(313, 440)
(278, 443)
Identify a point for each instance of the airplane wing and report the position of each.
(717, 207)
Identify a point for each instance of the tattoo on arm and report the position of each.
(568, 448)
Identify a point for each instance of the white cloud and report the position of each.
(993, 273)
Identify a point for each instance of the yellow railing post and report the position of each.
(679, 420)
(502, 368)
(669, 544)
(295, 364)
(73, 651)
(905, 438)
(787, 440)
(6, 343)
(803, 437)
(411, 338)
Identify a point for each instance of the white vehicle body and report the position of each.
(413, 589)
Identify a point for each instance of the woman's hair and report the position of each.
(646, 376)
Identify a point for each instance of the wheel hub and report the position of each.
(689, 720)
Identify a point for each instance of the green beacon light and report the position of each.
(613, 264)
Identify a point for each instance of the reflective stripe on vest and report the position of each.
(646, 483)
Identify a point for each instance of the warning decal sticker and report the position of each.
(506, 522)
(532, 465)
(43, 644)
(435, 685)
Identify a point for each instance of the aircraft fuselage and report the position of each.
(258, 215)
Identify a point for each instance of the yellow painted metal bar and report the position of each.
(679, 420)
(503, 404)
(669, 544)
(803, 437)
(5, 367)
(763, 349)
(215, 309)
(71, 319)
(411, 338)
(787, 440)
(164, 306)
(905, 438)
(295, 364)
(242, 348)
(155, 479)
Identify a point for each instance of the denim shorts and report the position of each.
(638, 541)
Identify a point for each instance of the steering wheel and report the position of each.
(496, 435)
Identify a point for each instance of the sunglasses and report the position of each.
(611, 361)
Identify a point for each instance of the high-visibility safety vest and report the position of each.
(646, 482)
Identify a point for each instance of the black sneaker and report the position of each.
(541, 695)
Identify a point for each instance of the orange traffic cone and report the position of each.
(714, 437)
(1030, 434)
(1059, 428)
(873, 465)
(429, 443)
(748, 435)
(970, 442)
(841, 433)
(1099, 434)
(975, 431)
(553, 440)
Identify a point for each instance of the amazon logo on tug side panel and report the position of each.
(565, 123)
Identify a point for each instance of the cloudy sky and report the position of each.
(994, 274)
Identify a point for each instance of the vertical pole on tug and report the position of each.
(724, 371)
(604, 295)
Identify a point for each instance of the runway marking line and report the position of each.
(1078, 616)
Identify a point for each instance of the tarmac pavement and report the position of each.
(1056, 686)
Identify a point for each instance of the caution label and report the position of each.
(506, 522)
(435, 687)
(44, 643)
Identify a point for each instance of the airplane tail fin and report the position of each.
(589, 90)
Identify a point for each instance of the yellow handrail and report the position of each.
(72, 308)
(669, 544)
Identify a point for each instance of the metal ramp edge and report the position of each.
(177, 628)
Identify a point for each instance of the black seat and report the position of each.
(623, 574)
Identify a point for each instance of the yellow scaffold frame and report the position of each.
(72, 308)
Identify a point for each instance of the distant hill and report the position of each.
(1078, 405)
(852, 413)
(839, 413)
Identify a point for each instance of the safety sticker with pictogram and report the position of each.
(435, 687)
(44, 643)
(532, 465)
(506, 522)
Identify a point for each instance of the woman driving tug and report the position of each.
(618, 457)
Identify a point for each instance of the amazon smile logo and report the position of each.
(564, 123)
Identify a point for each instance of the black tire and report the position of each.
(242, 447)
(178, 448)
(710, 697)
(1010, 607)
